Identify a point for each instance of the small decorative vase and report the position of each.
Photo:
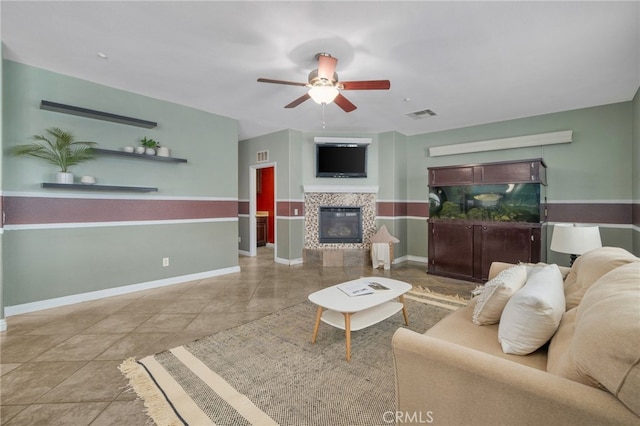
(140, 149)
(150, 151)
(64, 177)
(163, 151)
(128, 149)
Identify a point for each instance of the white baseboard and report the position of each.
(116, 291)
(288, 261)
(3, 325)
(244, 253)
(418, 259)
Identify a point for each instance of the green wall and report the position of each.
(392, 171)
(285, 153)
(600, 165)
(596, 166)
(46, 261)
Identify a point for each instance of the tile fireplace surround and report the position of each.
(344, 254)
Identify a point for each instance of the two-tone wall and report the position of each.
(590, 180)
(594, 179)
(62, 246)
(283, 153)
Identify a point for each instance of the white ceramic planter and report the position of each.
(150, 151)
(163, 151)
(64, 177)
(140, 149)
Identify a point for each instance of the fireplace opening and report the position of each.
(340, 225)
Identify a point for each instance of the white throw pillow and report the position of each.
(533, 314)
(497, 293)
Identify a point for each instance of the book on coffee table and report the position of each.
(359, 288)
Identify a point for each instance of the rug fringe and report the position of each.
(156, 406)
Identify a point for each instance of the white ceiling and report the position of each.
(470, 62)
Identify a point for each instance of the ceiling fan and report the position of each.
(324, 86)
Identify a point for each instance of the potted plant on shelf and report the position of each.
(150, 145)
(63, 151)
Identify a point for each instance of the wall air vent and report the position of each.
(262, 156)
(425, 113)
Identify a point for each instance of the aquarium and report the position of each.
(519, 202)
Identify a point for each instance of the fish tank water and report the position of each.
(519, 202)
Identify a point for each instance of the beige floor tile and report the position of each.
(8, 412)
(81, 347)
(68, 324)
(118, 323)
(5, 368)
(30, 381)
(166, 323)
(96, 381)
(58, 414)
(91, 339)
(186, 306)
(133, 345)
(143, 305)
(118, 413)
(19, 349)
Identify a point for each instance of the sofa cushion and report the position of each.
(496, 294)
(457, 328)
(560, 343)
(533, 314)
(589, 267)
(604, 350)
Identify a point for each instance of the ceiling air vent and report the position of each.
(262, 156)
(425, 113)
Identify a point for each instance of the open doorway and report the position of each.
(262, 207)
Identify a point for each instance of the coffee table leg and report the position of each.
(404, 310)
(317, 325)
(347, 333)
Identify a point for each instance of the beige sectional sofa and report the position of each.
(587, 374)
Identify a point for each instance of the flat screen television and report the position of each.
(341, 160)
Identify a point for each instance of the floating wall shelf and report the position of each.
(98, 115)
(101, 151)
(80, 186)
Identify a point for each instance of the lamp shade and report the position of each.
(575, 239)
(323, 94)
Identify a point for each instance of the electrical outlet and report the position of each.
(165, 261)
(295, 212)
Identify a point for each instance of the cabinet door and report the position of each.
(451, 249)
(261, 231)
(522, 172)
(502, 244)
(451, 176)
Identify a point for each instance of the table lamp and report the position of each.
(575, 239)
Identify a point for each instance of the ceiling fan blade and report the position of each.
(344, 103)
(298, 101)
(290, 83)
(366, 85)
(326, 67)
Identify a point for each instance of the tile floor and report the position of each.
(59, 366)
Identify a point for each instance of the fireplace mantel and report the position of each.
(362, 189)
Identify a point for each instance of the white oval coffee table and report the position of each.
(352, 313)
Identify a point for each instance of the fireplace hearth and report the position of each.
(338, 225)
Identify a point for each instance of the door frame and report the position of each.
(253, 201)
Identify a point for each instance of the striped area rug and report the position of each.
(267, 372)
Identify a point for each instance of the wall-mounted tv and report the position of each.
(341, 160)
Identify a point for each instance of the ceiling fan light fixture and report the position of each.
(323, 94)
